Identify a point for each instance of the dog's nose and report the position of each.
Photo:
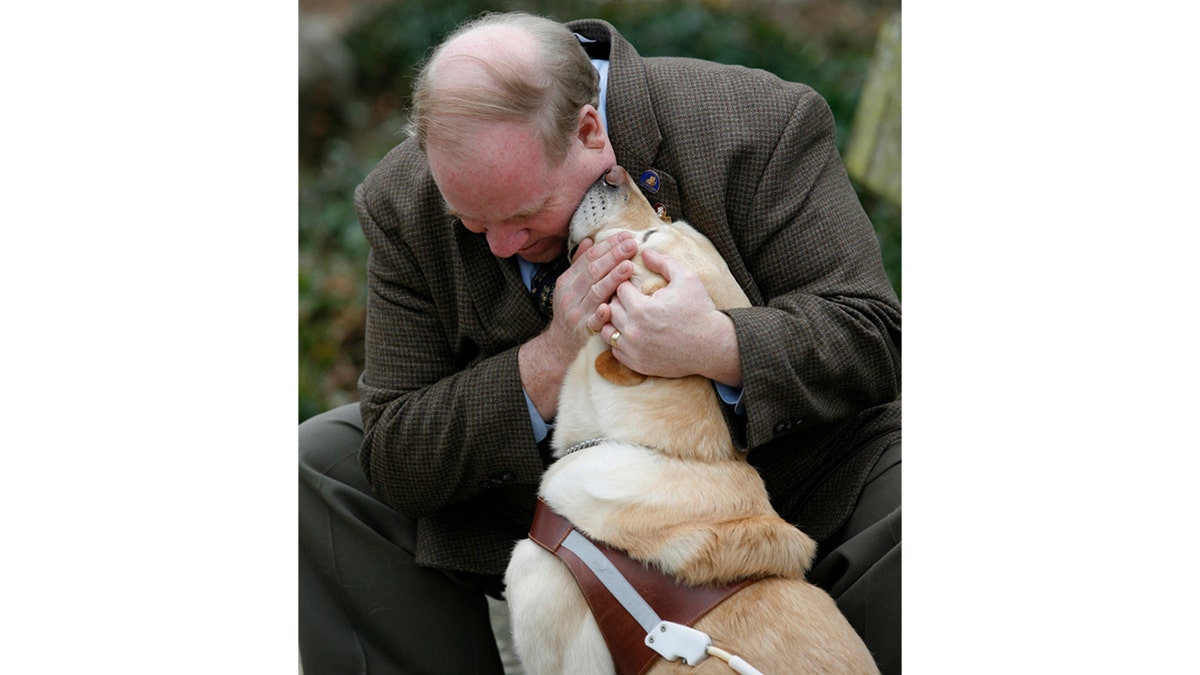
(616, 176)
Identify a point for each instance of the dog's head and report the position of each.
(614, 204)
(603, 397)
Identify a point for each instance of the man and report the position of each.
(408, 515)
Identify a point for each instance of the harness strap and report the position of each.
(616, 584)
(613, 582)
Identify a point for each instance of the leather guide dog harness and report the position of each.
(630, 601)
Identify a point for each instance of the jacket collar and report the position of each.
(632, 125)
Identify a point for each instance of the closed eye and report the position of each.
(646, 237)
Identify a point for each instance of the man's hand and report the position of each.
(677, 331)
(583, 292)
(581, 307)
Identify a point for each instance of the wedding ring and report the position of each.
(612, 341)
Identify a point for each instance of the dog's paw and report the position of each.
(803, 547)
(748, 548)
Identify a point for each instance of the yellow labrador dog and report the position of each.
(667, 486)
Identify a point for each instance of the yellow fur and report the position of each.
(668, 487)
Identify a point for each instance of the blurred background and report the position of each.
(357, 59)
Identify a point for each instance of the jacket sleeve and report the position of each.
(825, 343)
(442, 425)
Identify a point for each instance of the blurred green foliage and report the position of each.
(351, 133)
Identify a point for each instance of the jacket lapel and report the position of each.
(500, 304)
(667, 193)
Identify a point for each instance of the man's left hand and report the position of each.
(676, 331)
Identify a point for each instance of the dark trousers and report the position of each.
(367, 607)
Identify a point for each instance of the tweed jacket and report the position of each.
(747, 159)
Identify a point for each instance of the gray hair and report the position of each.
(547, 95)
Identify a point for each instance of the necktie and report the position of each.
(541, 287)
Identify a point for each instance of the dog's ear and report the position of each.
(608, 367)
(656, 284)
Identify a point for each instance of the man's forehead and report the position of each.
(497, 199)
(499, 211)
(507, 173)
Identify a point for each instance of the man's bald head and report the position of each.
(513, 68)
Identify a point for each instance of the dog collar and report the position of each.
(590, 443)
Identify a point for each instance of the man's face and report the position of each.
(505, 188)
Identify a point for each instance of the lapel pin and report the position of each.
(649, 180)
(661, 212)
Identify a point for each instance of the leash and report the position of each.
(603, 575)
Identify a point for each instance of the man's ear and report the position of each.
(591, 129)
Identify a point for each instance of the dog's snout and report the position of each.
(609, 194)
(616, 176)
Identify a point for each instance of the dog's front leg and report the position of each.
(758, 546)
(553, 630)
(732, 550)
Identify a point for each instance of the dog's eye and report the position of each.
(646, 237)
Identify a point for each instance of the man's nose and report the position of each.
(505, 242)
